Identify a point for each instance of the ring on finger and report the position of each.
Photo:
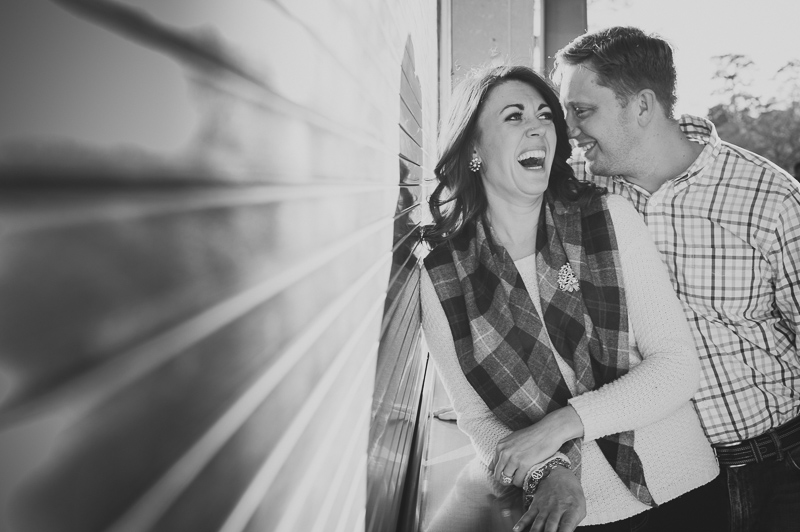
(505, 479)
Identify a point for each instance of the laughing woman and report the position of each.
(553, 324)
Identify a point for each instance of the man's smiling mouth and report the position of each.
(532, 159)
(587, 147)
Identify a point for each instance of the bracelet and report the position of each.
(534, 477)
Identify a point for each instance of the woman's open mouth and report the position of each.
(532, 159)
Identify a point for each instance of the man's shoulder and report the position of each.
(737, 158)
(748, 158)
(740, 166)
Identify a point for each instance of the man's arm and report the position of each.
(785, 261)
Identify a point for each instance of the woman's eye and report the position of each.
(514, 116)
(547, 116)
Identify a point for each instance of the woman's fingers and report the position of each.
(504, 470)
(519, 476)
(506, 474)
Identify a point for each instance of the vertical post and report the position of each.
(528, 32)
(563, 21)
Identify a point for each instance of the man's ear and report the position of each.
(646, 106)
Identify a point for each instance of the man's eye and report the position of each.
(579, 112)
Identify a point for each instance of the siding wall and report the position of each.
(393, 458)
(206, 238)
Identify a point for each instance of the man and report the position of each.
(727, 223)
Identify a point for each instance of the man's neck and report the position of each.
(670, 155)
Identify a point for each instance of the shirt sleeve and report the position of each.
(785, 261)
(669, 372)
(475, 419)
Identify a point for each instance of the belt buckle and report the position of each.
(731, 444)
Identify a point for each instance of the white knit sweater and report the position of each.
(652, 398)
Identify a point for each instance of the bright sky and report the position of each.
(768, 31)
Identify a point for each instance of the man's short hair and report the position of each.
(626, 60)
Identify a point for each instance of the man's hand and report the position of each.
(558, 505)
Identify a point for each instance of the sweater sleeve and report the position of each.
(475, 419)
(669, 373)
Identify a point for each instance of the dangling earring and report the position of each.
(475, 164)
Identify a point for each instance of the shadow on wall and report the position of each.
(401, 365)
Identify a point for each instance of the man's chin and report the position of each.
(595, 167)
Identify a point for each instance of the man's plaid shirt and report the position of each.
(729, 231)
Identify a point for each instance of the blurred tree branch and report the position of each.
(769, 127)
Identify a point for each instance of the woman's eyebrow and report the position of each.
(518, 105)
(521, 106)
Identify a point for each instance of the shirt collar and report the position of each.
(704, 132)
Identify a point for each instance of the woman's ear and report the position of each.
(474, 151)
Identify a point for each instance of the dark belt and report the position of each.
(770, 446)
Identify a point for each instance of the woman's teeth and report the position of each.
(532, 159)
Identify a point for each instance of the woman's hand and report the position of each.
(520, 450)
(558, 506)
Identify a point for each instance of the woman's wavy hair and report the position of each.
(460, 197)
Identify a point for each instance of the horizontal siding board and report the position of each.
(409, 72)
(410, 172)
(321, 150)
(27, 208)
(142, 289)
(346, 439)
(396, 392)
(333, 494)
(271, 40)
(403, 271)
(153, 423)
(275, 495)
(409, 149)
(410, 106)
(335, 436)
(394, 471)
(397, 437)
(411, 120)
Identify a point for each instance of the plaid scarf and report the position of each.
(501, 344)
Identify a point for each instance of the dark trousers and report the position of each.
(701, 510)
(765, 497)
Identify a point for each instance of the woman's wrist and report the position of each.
(536, 475)
(566, 423)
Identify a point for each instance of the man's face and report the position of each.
(598, 124)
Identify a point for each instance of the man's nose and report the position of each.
(572, 127)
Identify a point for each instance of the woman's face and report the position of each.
(516, 140)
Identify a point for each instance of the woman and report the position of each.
(592, 401)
